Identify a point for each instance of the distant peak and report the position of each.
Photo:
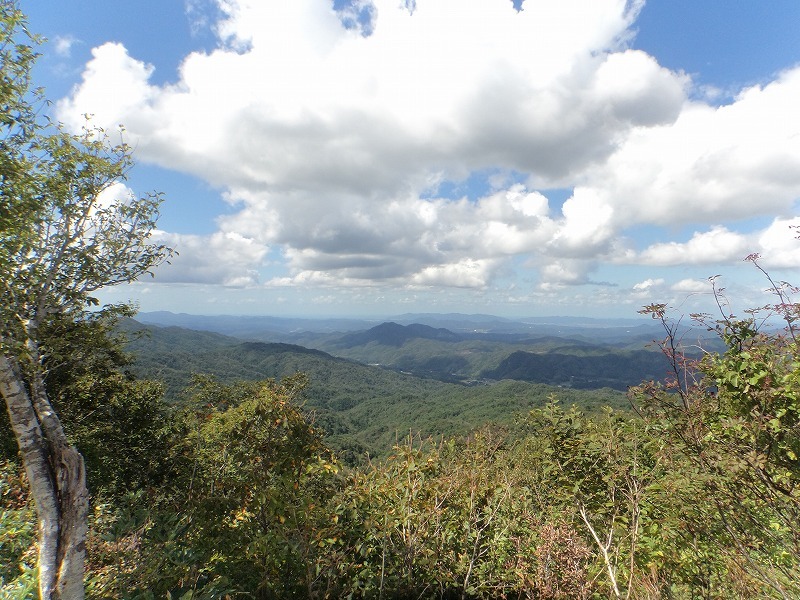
(393, 334)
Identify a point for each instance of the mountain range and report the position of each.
(371, 385)
(570, 352)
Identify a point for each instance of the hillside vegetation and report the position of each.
(236, 486)
(473, 347)
(363, 409)
(235, 490)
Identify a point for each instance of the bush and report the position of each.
(17, 535)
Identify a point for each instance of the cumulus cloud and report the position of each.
(778, 244)
(718, 245)
(564, 272)
(648, 284)
(416, 241)
(330, 130)
(713, 163)
(114, 90)
(691, 286)
(225, 259)
(464, 273)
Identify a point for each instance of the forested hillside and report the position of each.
(581, 355)
(589, 370)
(234, 490)
(362, 408)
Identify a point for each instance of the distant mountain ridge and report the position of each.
(251, 326)
(456, 348)
(262, 326)
(393, 334)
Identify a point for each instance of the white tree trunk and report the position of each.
(57, 478)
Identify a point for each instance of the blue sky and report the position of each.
(376, 157)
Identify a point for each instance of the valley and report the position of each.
(370, 385)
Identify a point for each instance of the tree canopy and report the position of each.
(68, 227)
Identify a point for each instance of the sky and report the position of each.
(378, 157)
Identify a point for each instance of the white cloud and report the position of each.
(330, 139)
(691, 286)
(587, 228)
(419, 241)
(466, 273)
(226, 259)
(718, 245)
(778, 244)
(114, 90)
(63, 45)
(714, 163)
(648, 284)
(563, 272)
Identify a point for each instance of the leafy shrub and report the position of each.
(17, 535)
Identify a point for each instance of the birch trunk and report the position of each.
(70, 479)
(56, 475)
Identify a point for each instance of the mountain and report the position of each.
(263, 328)
(439, 353)
(617, 370)
(363, 409)
(267, 328)
(392, 334)
(566, 351)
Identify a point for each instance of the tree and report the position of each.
(732, 422)
(253, 476)
(88, 373)
(65, 232)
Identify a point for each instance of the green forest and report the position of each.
(236, 491)
(364, 410)
(135, 466)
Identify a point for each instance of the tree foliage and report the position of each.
(244, 509)
(732, 423)
(65, 232)
(691, 497)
